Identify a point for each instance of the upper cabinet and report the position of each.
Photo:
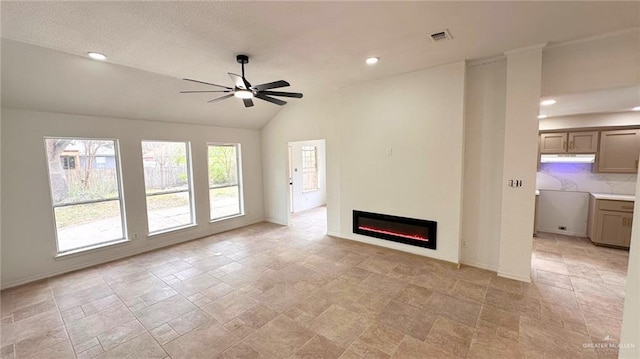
(583, 142)
(619, 151)
(569, 142)
(553, 142)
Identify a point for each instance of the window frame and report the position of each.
(306, 148)
(190, 190)
(120, 198)
(239, 183)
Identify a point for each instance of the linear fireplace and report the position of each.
(417, 232)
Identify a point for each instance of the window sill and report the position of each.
(170, 230)
(225, 218)
(311, 190)
(90, 249)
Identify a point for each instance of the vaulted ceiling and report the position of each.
(316, 46)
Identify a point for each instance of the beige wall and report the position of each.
(607, 62)
(591, 120)
(28, 234)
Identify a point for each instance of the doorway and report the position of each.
(307, 175)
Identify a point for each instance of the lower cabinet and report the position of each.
(610, 222)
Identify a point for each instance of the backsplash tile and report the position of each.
(579, 177)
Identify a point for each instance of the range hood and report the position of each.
(568, 158)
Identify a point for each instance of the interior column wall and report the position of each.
(483, 157)
(524, 67)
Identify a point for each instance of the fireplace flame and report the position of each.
(409, 236)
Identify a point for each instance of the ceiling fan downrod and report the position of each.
(242, 59)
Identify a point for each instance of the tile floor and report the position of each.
(267, 291)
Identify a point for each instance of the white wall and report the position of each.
(568, 209)
(308, 119)
(607, 62)
(28, 240)
(484, 150)
(630, 323)
(302, 200)
(520, 156)
(417, 116)
(591, 120)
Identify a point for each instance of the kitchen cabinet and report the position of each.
(610, 222)
(569, 142)
(553, 142)
(583, 142)
(619, 151)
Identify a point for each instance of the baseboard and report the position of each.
(514, 277)
(276, 221)
(220, 229)
(557, 231)
(480, 265)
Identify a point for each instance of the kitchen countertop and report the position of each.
(614, 197)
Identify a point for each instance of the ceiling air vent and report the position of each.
(438, 36)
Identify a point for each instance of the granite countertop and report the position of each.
(614, 197)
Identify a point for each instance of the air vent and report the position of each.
(438, 36)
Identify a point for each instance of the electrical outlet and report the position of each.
(135, 236)
(562, 228)
(464, 244)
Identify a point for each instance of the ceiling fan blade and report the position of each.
(262, 96)
(271, 85)
(208, 83)
(284, 94)
(220, 98)
(204, 91)
(247, 102)
(240, 81)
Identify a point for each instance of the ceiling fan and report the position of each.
(243, 89)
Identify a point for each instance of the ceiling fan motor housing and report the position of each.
(242, 59)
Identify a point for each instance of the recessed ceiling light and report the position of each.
(548, 102)
(96, 56)
(372, 60)
(637, 108)
(244, 94)
(541, 116)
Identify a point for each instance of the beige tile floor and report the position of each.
(267, 291)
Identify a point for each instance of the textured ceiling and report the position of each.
(313, 45)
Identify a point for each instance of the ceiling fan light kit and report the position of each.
(242, 88)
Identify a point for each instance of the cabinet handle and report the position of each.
(571, 144)
(564, 145)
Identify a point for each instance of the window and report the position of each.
(225, 193)
(167, 180)
(309, 168)
(68, 162)
(87, 201)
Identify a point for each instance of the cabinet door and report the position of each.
(619, 151)
(583, 142)
(553, 142)
(625, 234)
(611, 228)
